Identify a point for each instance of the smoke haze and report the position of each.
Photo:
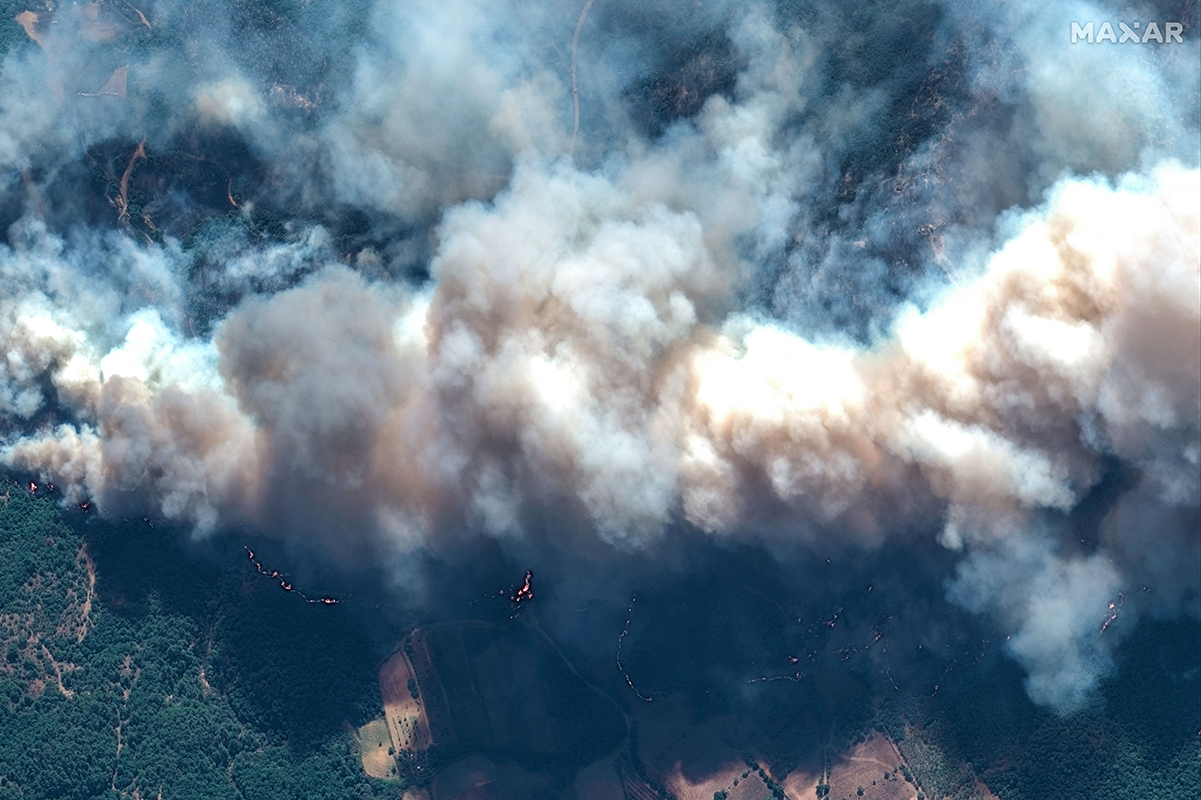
(804, 277)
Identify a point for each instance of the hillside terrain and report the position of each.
(130, 671)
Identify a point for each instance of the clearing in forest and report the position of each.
(374, 744)
(403, 709)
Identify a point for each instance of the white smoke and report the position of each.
(583, 349)
(1056, 608)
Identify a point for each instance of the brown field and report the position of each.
(115, 86)
(751, 787)
(374, 741)
(405, 716)
(867, 762)
(29, 21)
(723, 766)
(98, 23)
(801, 783)
(692, 760)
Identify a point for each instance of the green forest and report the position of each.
(1138, 739)
(164, 675)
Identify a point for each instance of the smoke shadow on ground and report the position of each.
(295, 671)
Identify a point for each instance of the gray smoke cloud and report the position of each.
(738, 306)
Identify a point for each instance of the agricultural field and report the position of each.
(692, 759)
(488, 687)
(864, 766)
(474, 693)
(404, 713)
(467, 715)
(430, 689)
(599, 781)
(472, 778)
(750, 787)
(802, 783)
(697, 758)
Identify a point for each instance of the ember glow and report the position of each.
(1112, 616)
(620, 641)
(525, 591)
(284, 584)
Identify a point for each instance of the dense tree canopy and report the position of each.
(194, 681)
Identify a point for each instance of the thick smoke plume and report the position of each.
(797, 296)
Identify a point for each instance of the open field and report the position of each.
(634, 786)
(599, 781)
(404, 714)
(865, 765)
(801, 783)
(751, 787)
(29, 21)
(374, 743)
(472, 778)
(432, 694)
(487, 687)
(693, 760)
(468, 716)
(703, 745)
(497, 690)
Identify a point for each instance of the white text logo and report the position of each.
(1138, 33)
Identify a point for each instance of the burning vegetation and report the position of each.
(285, 584)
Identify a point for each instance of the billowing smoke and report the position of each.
(798, 277)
